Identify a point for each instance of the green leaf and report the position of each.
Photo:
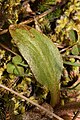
(79, 48)
(75, 50)
(73, 35)
(10, 67)
(42, 56)
(17, 59)
(19, 70)
(70, 63)
(14, 69)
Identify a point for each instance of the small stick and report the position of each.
(6, 48)
(37, 17)
(68, 48)
(40, 16)
(45, 13)
(30, 20)
(72, 56)
(27, 99)
(3, 31)
(76, 115)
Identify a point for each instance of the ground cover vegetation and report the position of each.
(39, 59)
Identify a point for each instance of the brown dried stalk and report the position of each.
(6, 48)
(52, 9)
(27, 99)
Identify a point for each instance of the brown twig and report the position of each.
(76, 115)
(41, 15)
(31, 19)
(3, 31)
(58, 45)
(68, 48)
(28, 100)
(72, 56)
(6, 48)
(45, 13)
(37, 17)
